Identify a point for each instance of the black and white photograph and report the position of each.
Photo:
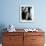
(26, 13)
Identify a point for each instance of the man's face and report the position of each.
(26, 9)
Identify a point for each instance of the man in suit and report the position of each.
(26, 13)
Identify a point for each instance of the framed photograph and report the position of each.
(26, 13)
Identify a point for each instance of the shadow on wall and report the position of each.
(2, 26)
